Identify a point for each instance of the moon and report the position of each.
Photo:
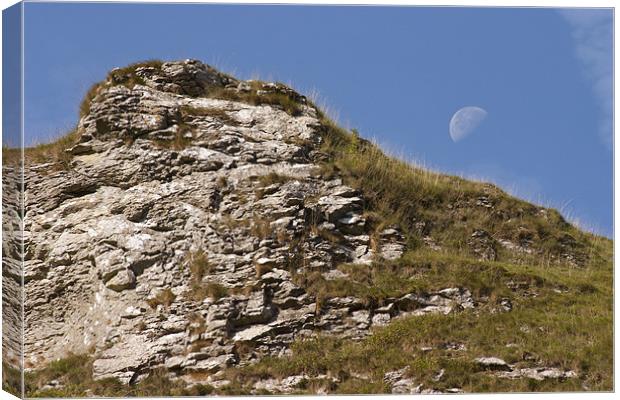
(464, 121)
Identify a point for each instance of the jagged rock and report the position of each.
(132, 312)
(110, 263)
(392, 251)
(483, 245)
(334, 274)
(430, 242)
(454, 346)
(190, 77)
(174, 362)
(275, 276)
(392, 244)
(257, 309)
(539, 374)
(361, 318)
(336, 208)
(163, 172)
(380, 319)
(515, 247)
(124, 359)
(192, 233)
(439, 375)
(506, 304)
(350, 303)
(399, 383)
(290, 383)
(443, 301)
(484, 201)
(53, 384)
(212, 364)
(123, 279)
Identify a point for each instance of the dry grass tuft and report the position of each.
(53, 152)
(257, 96)
(164, 297)
(75, 374)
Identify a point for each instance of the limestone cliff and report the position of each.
(185, 227)
(121, 228)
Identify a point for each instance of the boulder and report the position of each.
(492, 363)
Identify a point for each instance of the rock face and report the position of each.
(505, 370)
(12, 293)
(161, 176)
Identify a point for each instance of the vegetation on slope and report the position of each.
(55, 151)
(561, 288)
(74, 375)
(561, 308)
(448, 209)
(256, 95)
(11, 379)
(563, 318)
(558, 279)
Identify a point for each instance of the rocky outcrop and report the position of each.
(174, 238)
(492, 363)
(504, 370)
(483, 245)
(401, 382)
(12, 252)
(197, 223)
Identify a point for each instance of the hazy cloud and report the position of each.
(593, 35)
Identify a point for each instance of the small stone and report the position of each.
(334, 274)
(492, 363)
(439, 375)
(538, 374)
(122, 280)
(380, 319)
(212, 364)
(483, 245)
(506, 304)
(132, 312)
(174, 362)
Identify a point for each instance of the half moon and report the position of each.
(464, 121)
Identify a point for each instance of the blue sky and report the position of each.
(396, 74)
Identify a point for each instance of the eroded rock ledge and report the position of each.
(162, 176)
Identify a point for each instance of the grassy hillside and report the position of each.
(561, 289)
(449, 209)
(557, 278)
(563, 319)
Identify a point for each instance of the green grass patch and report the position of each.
(561, 318)
(550, 333)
